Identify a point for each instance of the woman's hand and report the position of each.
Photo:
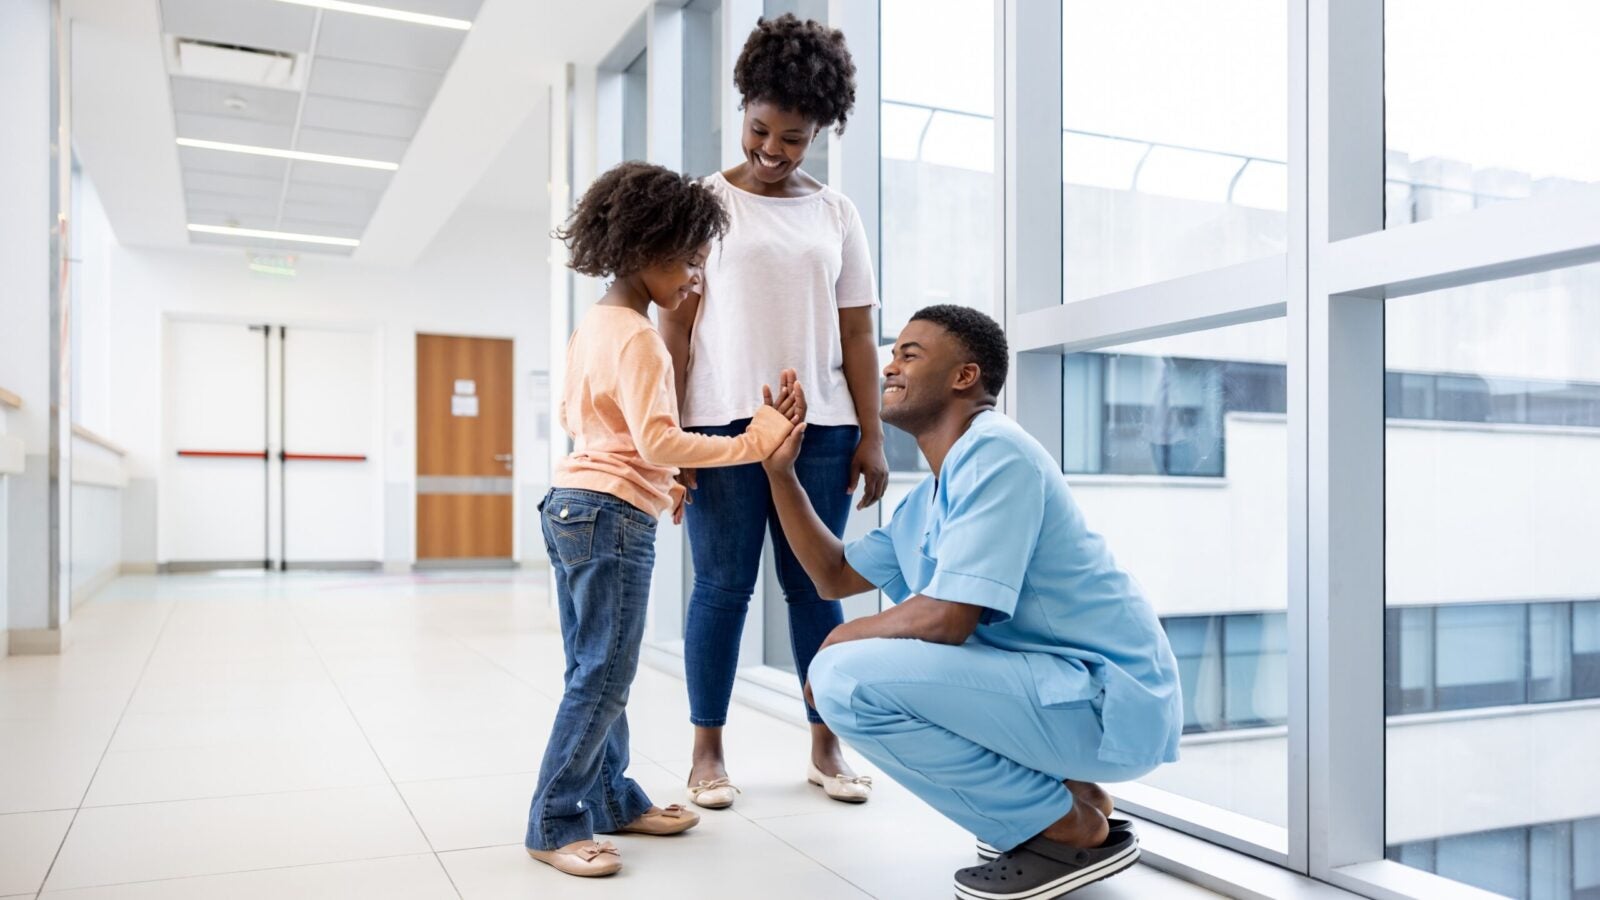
(871, 465)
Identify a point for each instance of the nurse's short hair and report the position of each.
(981, 336)
(636, 216)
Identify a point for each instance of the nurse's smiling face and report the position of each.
(930, 368)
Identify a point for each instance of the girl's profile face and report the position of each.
(670, 283)
(775, 140)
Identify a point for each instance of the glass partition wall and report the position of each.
(1304, 299)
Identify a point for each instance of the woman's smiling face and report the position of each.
(775, 140)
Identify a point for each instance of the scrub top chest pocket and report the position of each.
(571, 528)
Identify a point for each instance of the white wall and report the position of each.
(485, 275)
(1475, 513)
(96, 540)
(1452, 773)
(25, 173)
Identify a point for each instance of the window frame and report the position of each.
(1330, 284)
(1340, 266)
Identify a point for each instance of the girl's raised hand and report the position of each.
(791, 401)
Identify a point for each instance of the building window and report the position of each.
(1150, 415)
(1548, 860)
(1473, 655)
(1154, 415)
(1232, 669)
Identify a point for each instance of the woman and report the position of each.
(789, 285)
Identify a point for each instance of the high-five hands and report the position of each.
(790, 403)
(782, 459)
(791, 400)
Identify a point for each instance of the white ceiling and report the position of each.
(464, 113)
(367, 84)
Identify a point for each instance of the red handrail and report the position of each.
(328, 457)
(226, 454)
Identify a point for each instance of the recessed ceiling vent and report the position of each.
(257, 66)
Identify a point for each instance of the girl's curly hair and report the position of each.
(800, 66)
(636, 216)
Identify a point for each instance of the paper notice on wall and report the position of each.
(466, 387)
(463, 406)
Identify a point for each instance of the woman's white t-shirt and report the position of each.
(774, 286)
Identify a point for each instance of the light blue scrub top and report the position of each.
(1000, 530)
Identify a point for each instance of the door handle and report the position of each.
(504, 458)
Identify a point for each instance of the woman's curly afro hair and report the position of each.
(636, 216)
(799, 66)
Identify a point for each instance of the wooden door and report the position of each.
(464, 448)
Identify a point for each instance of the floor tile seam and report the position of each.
(259, 869)
(836, 873)
(504, 668)
(414, 781)
(55, 858)
(393, 785)
(240, 796)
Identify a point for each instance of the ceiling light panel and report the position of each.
(266, 234)
(232, 204)
(212, 98)
(192, 126)
(367, 118)
(235, 185)
(277, 26)
(345, 143)
(321, 153)
(191, 159)
(387, 43)
(287, 154)
(385, 12)
(373, 83)
(373, 181)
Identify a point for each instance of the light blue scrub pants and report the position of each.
(962, 728)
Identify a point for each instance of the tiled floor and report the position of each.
(377, 737)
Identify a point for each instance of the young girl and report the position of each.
(650, 230)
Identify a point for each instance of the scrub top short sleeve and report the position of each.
(994, 510)
(873, 557)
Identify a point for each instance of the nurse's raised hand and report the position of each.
(781, 462)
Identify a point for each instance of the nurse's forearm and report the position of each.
(819, 552)
(917, 618)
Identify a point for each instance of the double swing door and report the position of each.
(271, 436)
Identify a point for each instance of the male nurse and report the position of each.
(1019, 667)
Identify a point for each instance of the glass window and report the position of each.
(937, 184)
(1550, 862)
(1586, 859)
(635, 108)
(1417, 854)
(1409, 664)
(1586, 649)
(1479, 658)
(1176, 130)
(1549, 652)
(1196, 643)
(1478, 100)
(1256, 675)
(1137, 414)
(1211, 553)
(1481, 523)
(705, 78)
(1493, 860)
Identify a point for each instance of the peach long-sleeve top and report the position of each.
(620, 406)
